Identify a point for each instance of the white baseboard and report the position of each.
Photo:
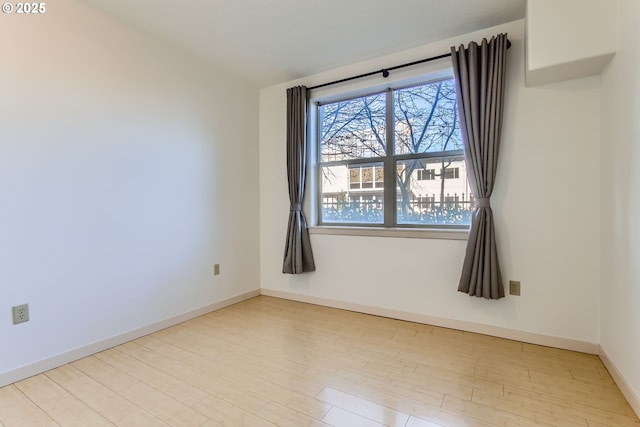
(496, 331)
(43, 365)
(623, 385)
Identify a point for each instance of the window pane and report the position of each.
(426, 118)
(367, 177)
(353, 129)
(354, 178)
(349, 194)
(441, 197)
(379, 177)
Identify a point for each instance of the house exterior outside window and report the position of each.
(393, 159)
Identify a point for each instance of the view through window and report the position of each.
(393, 158)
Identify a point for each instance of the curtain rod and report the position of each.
(385, 71)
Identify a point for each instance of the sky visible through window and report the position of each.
(426, 137)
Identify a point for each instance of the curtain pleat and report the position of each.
(298, 257)
(480, 80)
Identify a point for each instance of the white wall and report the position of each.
(127, 169)
(620, 295)
(545, 203)
(568, 39)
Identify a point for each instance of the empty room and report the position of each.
(320, 213)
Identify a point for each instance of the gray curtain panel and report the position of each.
(298, 257)
(480, 80)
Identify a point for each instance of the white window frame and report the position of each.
(353, 90)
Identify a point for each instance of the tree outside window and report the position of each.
(409, 172)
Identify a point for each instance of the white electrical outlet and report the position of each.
(20, 313)
(216, 269)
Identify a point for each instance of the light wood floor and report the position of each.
(268, 362)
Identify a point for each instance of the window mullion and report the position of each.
(389, 167)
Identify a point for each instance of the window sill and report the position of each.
(416, 233)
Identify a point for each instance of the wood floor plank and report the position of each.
(146, 397)
(141, 419)
(192, 396)
(340, 418)
(270, 362)
(17, 410)
(168, 358)
(416, 405)
(418, 422)
(59, 404)
(533, 409)
(495, 416)
(232, 372)
(575, 409)
(349, 380)
(363, 407)
(106, 402)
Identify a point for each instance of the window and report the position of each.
(366, 177)
(451, 173)
(426, 174)
(393, 158)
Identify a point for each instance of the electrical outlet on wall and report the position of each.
(216, 269)
(514, 287)
(20, 313)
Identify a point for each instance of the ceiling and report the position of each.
(273, 41)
